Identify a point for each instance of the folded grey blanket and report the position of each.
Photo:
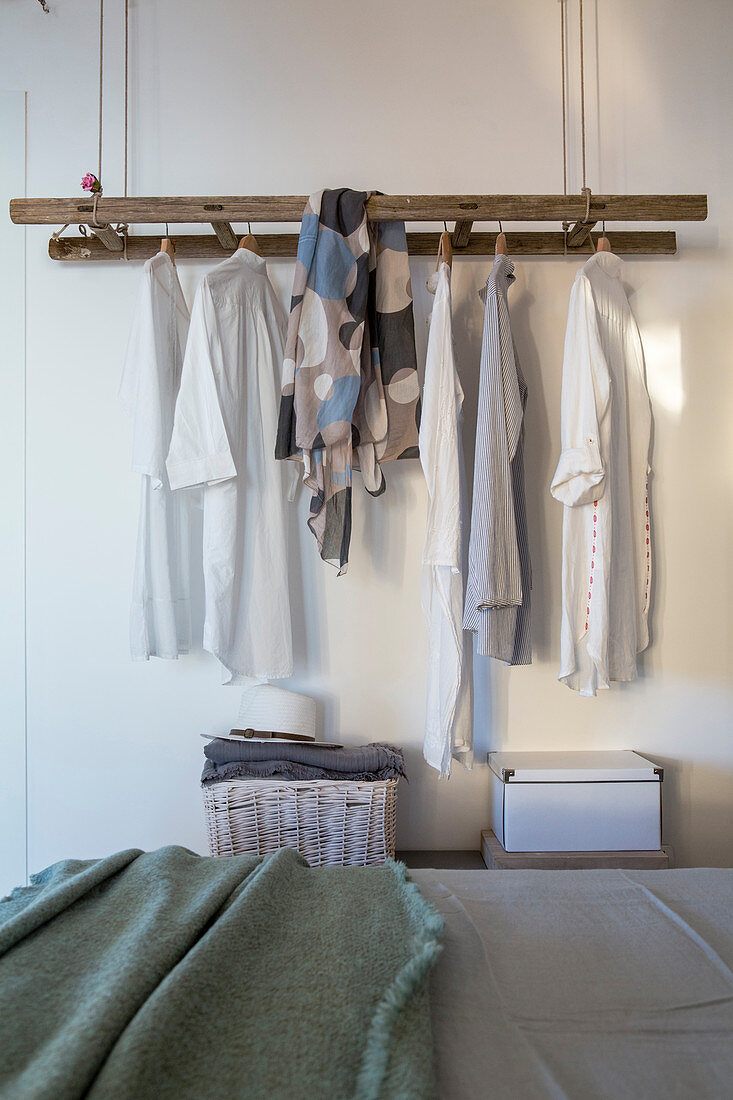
(290, 769)
(356, 760)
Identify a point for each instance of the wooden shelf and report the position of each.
(498, 859)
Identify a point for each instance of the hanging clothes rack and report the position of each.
(578, 214)
(463, 210)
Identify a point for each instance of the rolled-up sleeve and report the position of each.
(580, 474)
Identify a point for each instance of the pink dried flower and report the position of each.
(90, 182)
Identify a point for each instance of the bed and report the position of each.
(583, 984)
(167, 974)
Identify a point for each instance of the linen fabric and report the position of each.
(499, 580)
(225, 421)
(634, 997)
(357, 758)
(602, 480)
(160, 615)
(350, 373)
(290, 769)
(448, 720)
(171, 976)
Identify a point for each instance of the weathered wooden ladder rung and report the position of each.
(464, 210)
(285, 245)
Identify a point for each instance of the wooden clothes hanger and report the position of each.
(603, 244)
(167, 244)
(249, 241)
(445, 249)
(500, 249)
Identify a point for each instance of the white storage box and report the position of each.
(576, 801)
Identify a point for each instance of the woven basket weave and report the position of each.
(328, 822)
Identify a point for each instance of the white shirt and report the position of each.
(448, 727)
(160, 620)
(602, 480)
(224, 439)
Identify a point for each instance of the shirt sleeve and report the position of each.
(200, 453)
(139, 391)
(438, 438)
(580, 474)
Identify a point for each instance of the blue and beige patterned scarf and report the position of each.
(350, 387)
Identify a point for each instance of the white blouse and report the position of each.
(224, 439)
(160, 616)
(602, 479)
(448, 729)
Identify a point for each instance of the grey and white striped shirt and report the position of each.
(497, 607)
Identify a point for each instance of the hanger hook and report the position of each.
(166, 230)
(249, 227)
(445, 227)
(603, 223)
(500, 228)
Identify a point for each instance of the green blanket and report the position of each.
(167, 974)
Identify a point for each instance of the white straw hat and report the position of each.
(269, 709)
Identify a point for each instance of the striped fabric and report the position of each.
(497, 605)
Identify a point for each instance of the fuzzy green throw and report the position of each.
(167, 974)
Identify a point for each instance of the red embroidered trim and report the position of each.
(592, 561)
(648, 545)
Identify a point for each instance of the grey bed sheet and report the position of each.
(583, 984)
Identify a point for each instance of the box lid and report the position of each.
(617, 765)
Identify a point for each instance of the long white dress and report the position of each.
(160, 618)
(224, 439)
(602, 479)
(448, 723)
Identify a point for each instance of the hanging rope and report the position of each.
(127, 40)
(101, 86)
(585, 189)
(95, 198)
(565, 225)
(564, 108)
(121, 229)
(127, 114)
(582, 95)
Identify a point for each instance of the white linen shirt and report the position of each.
(448, 728)
(160, 617)
(224, 439)
(602, 479)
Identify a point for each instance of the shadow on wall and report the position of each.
(536, 457)
(379, 523)
(697, 811)
(441, 829)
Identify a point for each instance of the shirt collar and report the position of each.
(607, 262)
(503, 266)
(246, 256)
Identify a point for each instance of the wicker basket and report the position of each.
(328, 822)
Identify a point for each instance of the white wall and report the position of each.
(12, 506)
(407, 96)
